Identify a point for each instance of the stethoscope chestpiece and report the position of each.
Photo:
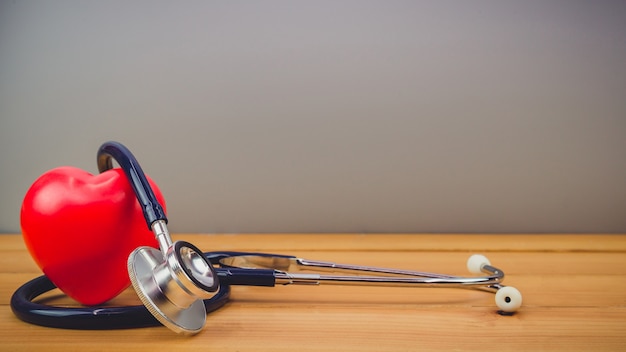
(173, 286)
(172, 282)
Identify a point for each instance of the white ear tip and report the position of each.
(508, 299)
(476, 262)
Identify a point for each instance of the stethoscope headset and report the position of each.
(179, 285)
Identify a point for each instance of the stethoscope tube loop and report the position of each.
(150, 206)
(89, 318)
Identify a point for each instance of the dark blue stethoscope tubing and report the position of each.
(152, 209)
(243, 276)
(107, 318)
(89, 318)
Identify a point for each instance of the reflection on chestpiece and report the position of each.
(173, 282)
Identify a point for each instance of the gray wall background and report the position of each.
(328, 116)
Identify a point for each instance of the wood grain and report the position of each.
(574, 291)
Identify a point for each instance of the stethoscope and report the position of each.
(178, 284)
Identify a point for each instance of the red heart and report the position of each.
(80, 229)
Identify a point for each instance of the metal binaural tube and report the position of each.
(292, 270)
(285, 278)
(404, 278)
(336, 267)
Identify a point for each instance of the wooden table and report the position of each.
(574, 291)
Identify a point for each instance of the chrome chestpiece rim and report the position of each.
(173, 282)
(174, 297)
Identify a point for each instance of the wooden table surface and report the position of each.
(573, 286)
